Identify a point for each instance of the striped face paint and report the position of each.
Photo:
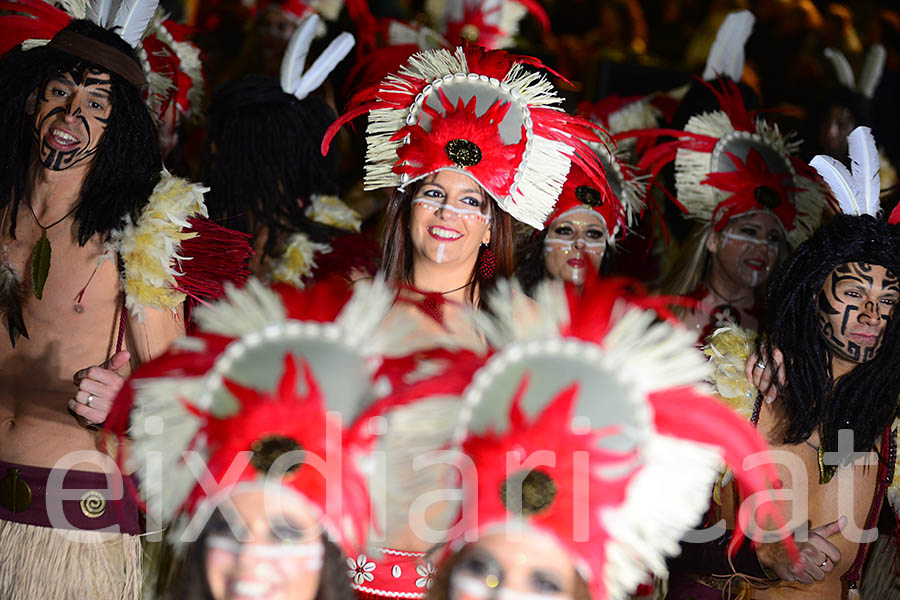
(71, 114)
(575, 242)
(461, 212)
(450, 218)
(470, 587)
(498, 567)
(855, 305)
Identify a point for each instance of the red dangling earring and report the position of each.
(487, 263)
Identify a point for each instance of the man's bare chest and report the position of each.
(81, 288)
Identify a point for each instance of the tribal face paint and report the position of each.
(746, 251)
(855, 305)
(575, 242)
(70, 116)
(450, 218)
(495, 567)
(273, 554)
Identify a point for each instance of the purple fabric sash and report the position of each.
(66, 499)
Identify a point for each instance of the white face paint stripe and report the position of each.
(477, 588)
(740, 237)
(461, 212)
(440, 253)
(560, 242)
(313, 550)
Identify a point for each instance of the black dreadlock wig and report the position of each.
(263, 160)
(865, 399)
(127, 164)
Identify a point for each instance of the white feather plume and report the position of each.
(842, 67)
(865, 163)
(99, 11)
(726, 57)
(295, 56)
(329, 59)
(840, 181)
(872, 70)
(132, 19)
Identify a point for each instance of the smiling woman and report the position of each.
(471, 139)
(442, 235)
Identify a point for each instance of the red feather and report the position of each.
(426, 151)
(212, 258)
(742, 184)
(894, 219)
(550, 430)
(32, 19)
(284, 413)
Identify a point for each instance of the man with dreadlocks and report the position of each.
(830, 312)
(85, 216)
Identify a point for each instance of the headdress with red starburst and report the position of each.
(628, 185)
(268, 373)
(617, 397)
(731, 162)
(511, 134)
(488, 23)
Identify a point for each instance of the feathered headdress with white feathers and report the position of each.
(265, 374)
(484, 113)
(33, 23)
(617, 398)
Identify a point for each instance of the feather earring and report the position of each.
(11, 298)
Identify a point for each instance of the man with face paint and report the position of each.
(831, 330)
(74, 193)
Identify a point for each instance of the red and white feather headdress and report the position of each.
(731, 162)
(488, 23)
(485, 113)
(268, 372)
(616, 397)
(175, 69)
(627, 184)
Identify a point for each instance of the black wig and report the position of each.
(127, 164)
(263, 160)
(865, 399)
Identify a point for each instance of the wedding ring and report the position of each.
(90, 399)
(761, 365)
(824, 562)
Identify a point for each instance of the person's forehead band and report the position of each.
(111, 59)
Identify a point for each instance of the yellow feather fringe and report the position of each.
(149, 249)
(728, 349)
(331, 210)
(297, 260)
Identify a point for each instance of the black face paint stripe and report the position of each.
(863, 271)
(847, 311)
(88, 81)
(825, 306)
